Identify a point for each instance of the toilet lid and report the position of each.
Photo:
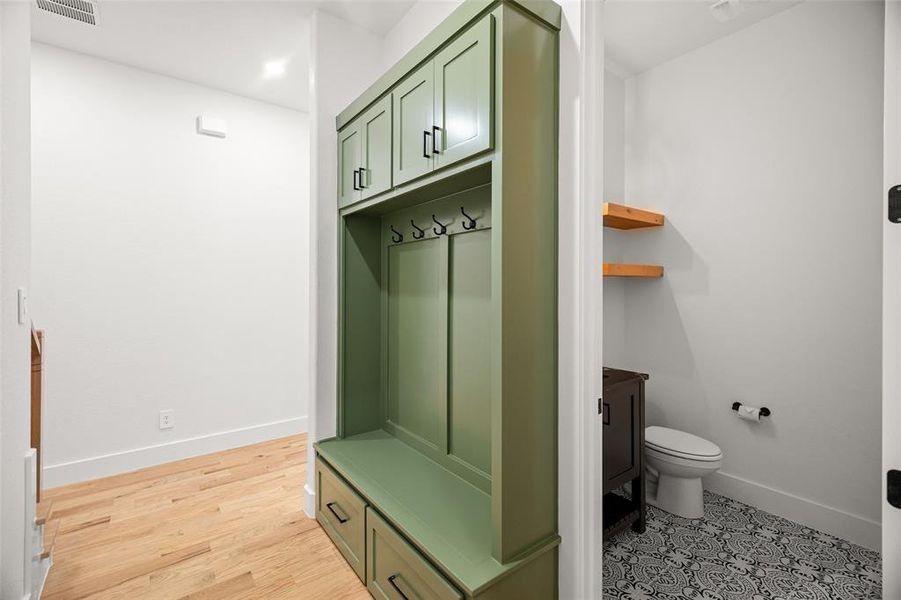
(673, 441)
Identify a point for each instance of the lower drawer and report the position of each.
(395, 569)
(342, 514)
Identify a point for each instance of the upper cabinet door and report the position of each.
(349, 146)
(375, 125)
(414, 143)
(463, 82)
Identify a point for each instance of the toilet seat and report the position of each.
(682, 445)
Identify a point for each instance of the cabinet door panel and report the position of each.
(348, 162)
(463, 107)
(414, 108)
(620, 412)
(375, 126)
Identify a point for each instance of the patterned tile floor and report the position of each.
(736, 552)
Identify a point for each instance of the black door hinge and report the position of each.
(894, 488)
(894, 204)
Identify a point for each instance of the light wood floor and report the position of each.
(222, 526)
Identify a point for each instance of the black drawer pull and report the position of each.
(330, 506)
(362, 172)
(435, 130)
(393, 582)
(425, 144)
(606, 414)
(356, 187)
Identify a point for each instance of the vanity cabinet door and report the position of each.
(413, 105)
(375, 126)
(620, 414)
(349, 147)
(463, 107)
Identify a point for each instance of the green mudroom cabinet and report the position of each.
(442, 479)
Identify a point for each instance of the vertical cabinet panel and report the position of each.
(349, 147)
(469, 401)
(463, 78)
(375, 126)
(417, 340)
(413, 101)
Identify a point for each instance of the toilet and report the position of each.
(675, 463)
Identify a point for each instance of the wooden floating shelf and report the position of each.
(620, 216)
(626, 270)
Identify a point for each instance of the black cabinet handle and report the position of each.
(606, 414)
(362, 187)
(391, 580)
(425, 144)
(356, 187)
(435, 130)
(337, 516)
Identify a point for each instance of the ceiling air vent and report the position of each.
(84, 11)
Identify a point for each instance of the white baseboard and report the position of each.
(848, 526)
(139, 458)
(309, 501)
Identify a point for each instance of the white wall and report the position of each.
(764, 150)
(15, 250)
(614, 191)
(170, 269)
(419, 21)
(344, 60)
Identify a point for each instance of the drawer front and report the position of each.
(342, 513)
(396, 570)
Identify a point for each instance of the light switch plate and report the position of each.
(23, 306)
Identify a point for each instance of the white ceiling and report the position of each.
(223, 45)
(641, 34)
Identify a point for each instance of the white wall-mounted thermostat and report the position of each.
(211, 126)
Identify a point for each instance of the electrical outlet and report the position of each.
(167, 419)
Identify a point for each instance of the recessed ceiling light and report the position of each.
(275, 68)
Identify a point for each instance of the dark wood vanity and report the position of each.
(623, 454)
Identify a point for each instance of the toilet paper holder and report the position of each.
(764, 411)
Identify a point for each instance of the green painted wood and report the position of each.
(463, 176)
(342, 514)
(477, 202)
(469, 404)
(463, 106)
(524, 285)
(414, 116)
(546, 13)
(395, 567)
(538, 581)
(446, 519)
(417, 334)
(491, 532)
(375, 126)
(360, 367)
(349, 160)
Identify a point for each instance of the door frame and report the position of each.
(891, 313)
(580, 299)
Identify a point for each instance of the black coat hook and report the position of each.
(421, 232)
(470, 224)
(437, 231)
(398, 237)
